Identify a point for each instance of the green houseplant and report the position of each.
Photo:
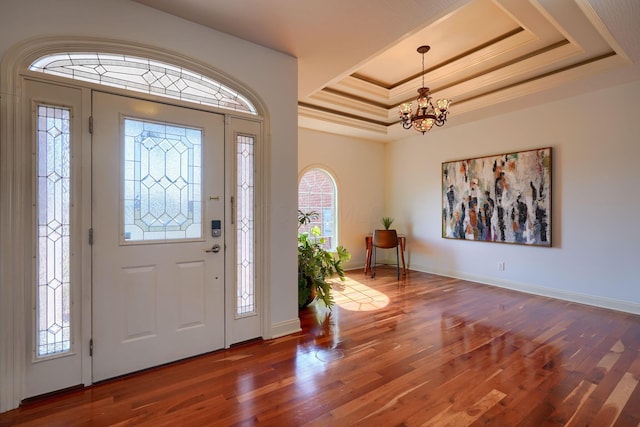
(316, 264)
(386, 222)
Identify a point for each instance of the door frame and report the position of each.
(15, 184)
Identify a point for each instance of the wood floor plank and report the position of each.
(426, 350)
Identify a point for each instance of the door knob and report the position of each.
(215, 249)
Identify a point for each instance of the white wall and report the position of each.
(359, 170)
(271, 75)
(595, 199)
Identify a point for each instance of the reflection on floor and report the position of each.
(354, 295)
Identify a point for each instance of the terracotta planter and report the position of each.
(385, 239)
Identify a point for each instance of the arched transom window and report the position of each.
(143, 75)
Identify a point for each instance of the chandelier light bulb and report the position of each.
(443, 104)
(405, 108)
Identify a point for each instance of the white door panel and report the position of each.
(158, 289)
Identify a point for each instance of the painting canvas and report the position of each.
(503, 198)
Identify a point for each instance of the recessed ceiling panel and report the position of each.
(473, 25)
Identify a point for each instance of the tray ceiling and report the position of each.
(358, 61)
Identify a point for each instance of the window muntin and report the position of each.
(162, 181)
(53, 206)
(143, 75)
(245, 235)
(317, 192)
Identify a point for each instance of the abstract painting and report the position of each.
(503, 198)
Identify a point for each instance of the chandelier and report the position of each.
(426, 114)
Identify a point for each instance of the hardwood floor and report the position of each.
(425, 350)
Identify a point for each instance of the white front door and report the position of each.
(158, 234)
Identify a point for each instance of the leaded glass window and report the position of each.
(245, 257)
(162, 181)
(53, 158)
(143, 75)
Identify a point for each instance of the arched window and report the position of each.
(317, 192)
(143, 75)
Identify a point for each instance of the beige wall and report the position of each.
(596, 196)
(359, 170)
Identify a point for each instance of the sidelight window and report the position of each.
(53, 163)
(245, 238)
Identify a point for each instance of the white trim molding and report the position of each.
(575, 297)
(285, 328)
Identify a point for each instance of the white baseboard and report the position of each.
(285, 328)
(608, 303)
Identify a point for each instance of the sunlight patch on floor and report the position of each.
(355, 296)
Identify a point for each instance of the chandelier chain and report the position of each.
(422, 69)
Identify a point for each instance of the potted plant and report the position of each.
(316, 264)
(387, 238)
(386, 222)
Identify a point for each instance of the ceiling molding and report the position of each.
(484, 53)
